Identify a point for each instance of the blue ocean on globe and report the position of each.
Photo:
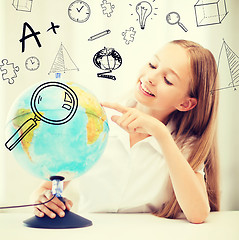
(57, 129)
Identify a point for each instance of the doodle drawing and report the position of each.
(233, 65)
(128, 35)
(32, 63)
(79, 11)
(23, 5)
(99, 35)
(46, 96)
(63, 62)
(107, 8)
(9, 71)
(143, 9)
(107, 59)
(209, 12)
(174, 18)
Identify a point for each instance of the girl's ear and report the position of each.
(187, 105)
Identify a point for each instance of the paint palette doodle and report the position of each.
(107, 8)
(9, 71)
(129, 35)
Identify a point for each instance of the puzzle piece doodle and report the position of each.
(107, 8)
(8, 71)
(129, 35)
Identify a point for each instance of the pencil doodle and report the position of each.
(99, 35)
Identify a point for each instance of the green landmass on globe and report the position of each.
(67, 150)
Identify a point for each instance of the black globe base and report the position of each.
(70, 220)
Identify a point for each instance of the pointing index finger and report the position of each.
(115, 106)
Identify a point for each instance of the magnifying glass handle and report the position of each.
(18, 135)
(182, 26)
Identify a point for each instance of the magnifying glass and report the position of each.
(48, 99)
(174, 18)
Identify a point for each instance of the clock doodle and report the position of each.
(32, 63)
(79, 11)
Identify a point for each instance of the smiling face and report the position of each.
(163, 83)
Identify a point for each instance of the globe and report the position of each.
(57, 129)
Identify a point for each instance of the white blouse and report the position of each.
(126, 179)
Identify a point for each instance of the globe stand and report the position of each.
(70, 220)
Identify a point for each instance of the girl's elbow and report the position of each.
(199, 217)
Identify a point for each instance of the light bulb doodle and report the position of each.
(143, 9)
(174, 18)
(68, 108)
(107, 59)
(142, 4)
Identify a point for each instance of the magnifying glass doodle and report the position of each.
(45, 101)
(174, 18)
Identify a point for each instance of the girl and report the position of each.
(165, 159)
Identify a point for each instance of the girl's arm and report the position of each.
(189, 187)
(43, 194)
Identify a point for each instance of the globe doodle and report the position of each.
(107, 59)
(57, 129)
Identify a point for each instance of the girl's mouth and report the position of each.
(145, 90)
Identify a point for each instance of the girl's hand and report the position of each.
(55, 206)
(134, 121)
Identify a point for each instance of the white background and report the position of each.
(16, 184)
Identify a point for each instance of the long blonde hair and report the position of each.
(200, 122)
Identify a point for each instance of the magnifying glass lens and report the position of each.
(54, 103)
(173, 18)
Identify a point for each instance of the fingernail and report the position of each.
(62, 214)
(53, 215)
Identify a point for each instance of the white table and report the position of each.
(220, 225)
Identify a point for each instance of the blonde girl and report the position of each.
(176, 108)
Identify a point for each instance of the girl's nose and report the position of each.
(151, 81)
(151, 77)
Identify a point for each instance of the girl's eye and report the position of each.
(167, 81)
(152, 66)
